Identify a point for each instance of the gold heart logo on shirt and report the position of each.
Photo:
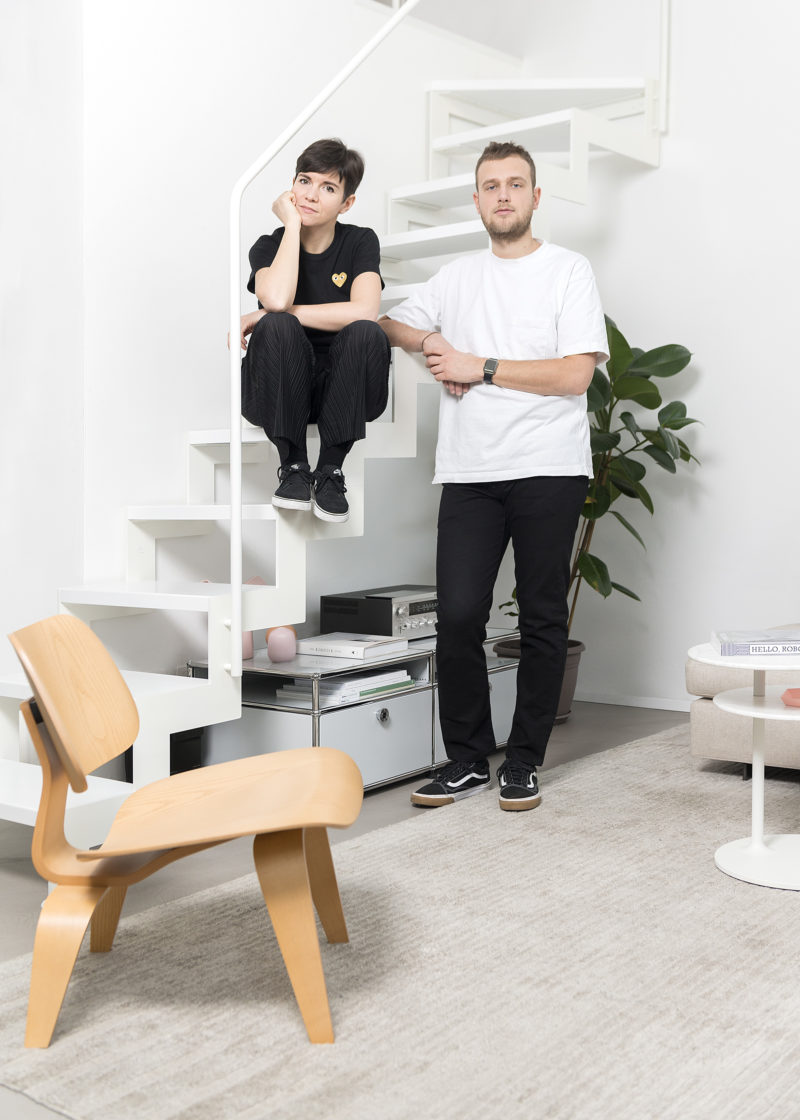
(339, 278)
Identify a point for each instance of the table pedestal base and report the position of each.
(774, 862)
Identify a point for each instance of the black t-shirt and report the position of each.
(323, 277)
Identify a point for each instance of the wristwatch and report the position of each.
(489, 369)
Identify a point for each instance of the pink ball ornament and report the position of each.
(281, 644)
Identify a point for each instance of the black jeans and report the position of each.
(286, 385)
(476, 521)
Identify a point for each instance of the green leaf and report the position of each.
(619, 351)
(623, 486)
(637, 389)
(673, 415)
(686, 454)
(603, 441)
(664, 361)
(643, 497)
(663, 440)
(670, 443)
(599, 392)
(597, 502)
(629, 420)
(623, 466)
(626, 591)
(595, 572)
(628, 526)
(662, 458)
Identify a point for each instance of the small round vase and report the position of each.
(281, 644)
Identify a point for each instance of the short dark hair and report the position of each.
(333, 155)
(502, 150)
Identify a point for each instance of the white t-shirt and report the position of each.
(543, 305)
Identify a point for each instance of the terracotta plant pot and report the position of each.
(510, 647)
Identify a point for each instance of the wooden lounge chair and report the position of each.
(81, 715)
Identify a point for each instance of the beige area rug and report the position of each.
(585, 960)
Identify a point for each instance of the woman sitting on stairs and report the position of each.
(315, 352)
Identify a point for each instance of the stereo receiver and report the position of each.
(403, 611)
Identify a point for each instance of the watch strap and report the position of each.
(489, 369)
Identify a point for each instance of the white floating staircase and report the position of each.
(562, 123)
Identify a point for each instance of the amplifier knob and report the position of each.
(401, 610)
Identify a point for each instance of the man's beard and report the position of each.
(511, 232)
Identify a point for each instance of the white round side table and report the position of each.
(768, 860)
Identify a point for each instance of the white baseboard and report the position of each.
(660, 702)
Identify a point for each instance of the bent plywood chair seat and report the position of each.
(81, 715)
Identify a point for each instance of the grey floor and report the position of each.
(590, 728)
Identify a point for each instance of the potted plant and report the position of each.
(623, 445)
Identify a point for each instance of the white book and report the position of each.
(340, 644)
(780, 642)
(364, 689)
(301, 699)
(353, 683)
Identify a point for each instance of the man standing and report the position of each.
(513, 334)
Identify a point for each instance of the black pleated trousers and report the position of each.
(287, 385)
(476, 521)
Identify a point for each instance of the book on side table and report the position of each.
(340, 644)
(750, 643)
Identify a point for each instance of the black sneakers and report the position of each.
(519, 788)
(452, 782)
(327, 495)
(294, 491)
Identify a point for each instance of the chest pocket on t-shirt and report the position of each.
(533, 337)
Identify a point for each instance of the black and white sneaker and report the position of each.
(452, 782)
(294, 491)
(327, 494)
(519, 787)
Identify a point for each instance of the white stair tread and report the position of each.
(264, 512)
(459, 237)
(395, 293)
(21, 789)
(157, 684)
(150, 594)
(213, 437)
(549, 130)
(512, 96)
(219, 437)
(454, 190)
(15, 685)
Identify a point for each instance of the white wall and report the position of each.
(41, 384)
(703, 252)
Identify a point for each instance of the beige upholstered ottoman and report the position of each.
(718, 734)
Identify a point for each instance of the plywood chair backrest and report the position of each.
(80, 692)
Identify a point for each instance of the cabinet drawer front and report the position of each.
(387, 738)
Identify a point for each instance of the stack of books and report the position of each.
(783, 641)
(345, 690)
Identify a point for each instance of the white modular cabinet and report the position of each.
(390, 737)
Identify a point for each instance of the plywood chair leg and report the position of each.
(62, 923)
(105, 920)
(281, 866)
(324, 888)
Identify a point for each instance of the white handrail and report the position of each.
(235, 666)
(663, 68)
